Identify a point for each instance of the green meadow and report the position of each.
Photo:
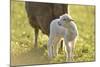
(22, 37)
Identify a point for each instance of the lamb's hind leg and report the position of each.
(55, 46)
(50, 46)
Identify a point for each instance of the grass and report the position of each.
(22, 37)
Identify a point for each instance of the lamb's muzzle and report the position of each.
(63, 27)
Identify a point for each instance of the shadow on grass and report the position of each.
(34, 56)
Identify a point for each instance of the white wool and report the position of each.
(62, 27)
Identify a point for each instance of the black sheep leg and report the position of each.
(36, 37)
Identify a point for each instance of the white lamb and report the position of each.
(63, 27)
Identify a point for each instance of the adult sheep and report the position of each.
(41, 14)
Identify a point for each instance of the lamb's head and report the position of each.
(66, 18)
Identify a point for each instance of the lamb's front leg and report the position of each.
(69, 50)
(72, 44)
(69, 55)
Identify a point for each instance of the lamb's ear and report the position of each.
(61, 17)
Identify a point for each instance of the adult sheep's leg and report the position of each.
(36, 37)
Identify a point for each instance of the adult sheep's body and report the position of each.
(41, 14)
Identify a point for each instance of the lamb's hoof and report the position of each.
(50, 58)
(70, 61)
